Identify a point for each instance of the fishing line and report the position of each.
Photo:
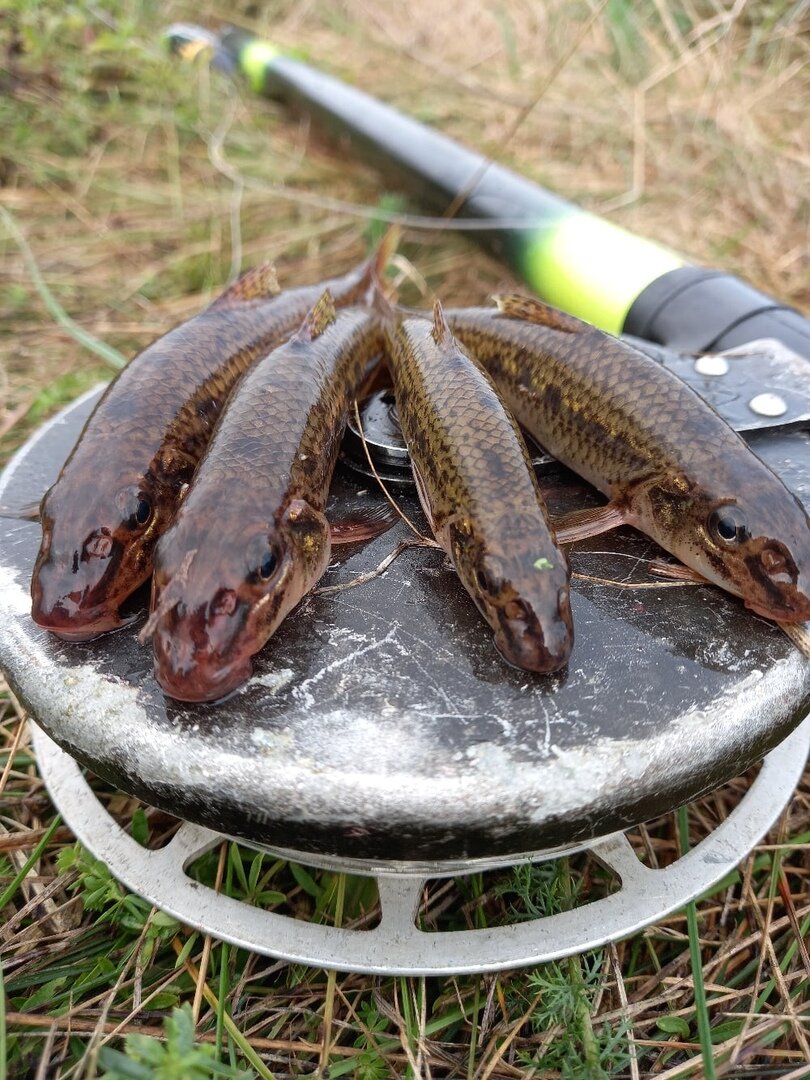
(463, 195)
(427, 542)
(634, 584)
(361, 579)
(524, 113)
(429, 222)
(237, 184)
(403, 545)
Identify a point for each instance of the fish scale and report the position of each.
(592, 398)
(144, 440)
(297, 405)
(258, 497)
(480, 493)
(459, 405)
(669, 464)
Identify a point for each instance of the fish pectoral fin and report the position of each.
(22, 513)
(530, 309)
(677, 572)
(259, 283)
(582, 524)
(363, 524)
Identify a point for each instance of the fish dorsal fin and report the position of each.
(372, 271)
(260, 283)
(318, 319)
(442, 333)
(530, 309)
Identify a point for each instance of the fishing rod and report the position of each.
(574, 259)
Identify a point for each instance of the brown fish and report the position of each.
(120, 487)
(480, 494)
(668, 463)
(251, 539)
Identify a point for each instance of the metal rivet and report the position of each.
(768, 405)
(711, 365)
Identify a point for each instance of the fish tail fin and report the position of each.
(383, 305)
(318, 318)
(363, 284)
(442, 334)
(259, 283)
(386, 249)
(373, 269)
(530, 309)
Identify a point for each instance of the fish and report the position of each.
(480, 493)
(250, 539)
(120, 487)
(668, 463)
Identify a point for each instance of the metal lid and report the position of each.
(381, 723)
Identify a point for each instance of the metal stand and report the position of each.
(396, 945)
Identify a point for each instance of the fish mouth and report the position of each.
(203, 683)
(796, 612)
(200, 657)
(531, 650)
(78, 625)
(78, 607)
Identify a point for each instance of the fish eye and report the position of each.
(268, 565)
(135, 506)
(728, 526)
(485, 581)
(143, 510)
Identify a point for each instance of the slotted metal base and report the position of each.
(397, 945)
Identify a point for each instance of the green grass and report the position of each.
(701, 1007)
(114, 358)
(567, 1017)
(105, 172)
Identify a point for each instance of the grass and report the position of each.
(685, 121)
(701, 1008)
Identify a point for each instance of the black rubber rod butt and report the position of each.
(572, 258)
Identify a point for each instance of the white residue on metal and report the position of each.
(721, 653)
(302, 692)
(364, 763)
(276, 742)
(607, 763)
(13, 597)
(272, 680)
(345, 633)
(388, 747)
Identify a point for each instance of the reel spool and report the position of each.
(381, 732)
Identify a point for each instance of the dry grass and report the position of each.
(688, 123)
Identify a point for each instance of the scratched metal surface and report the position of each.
(381, 723)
